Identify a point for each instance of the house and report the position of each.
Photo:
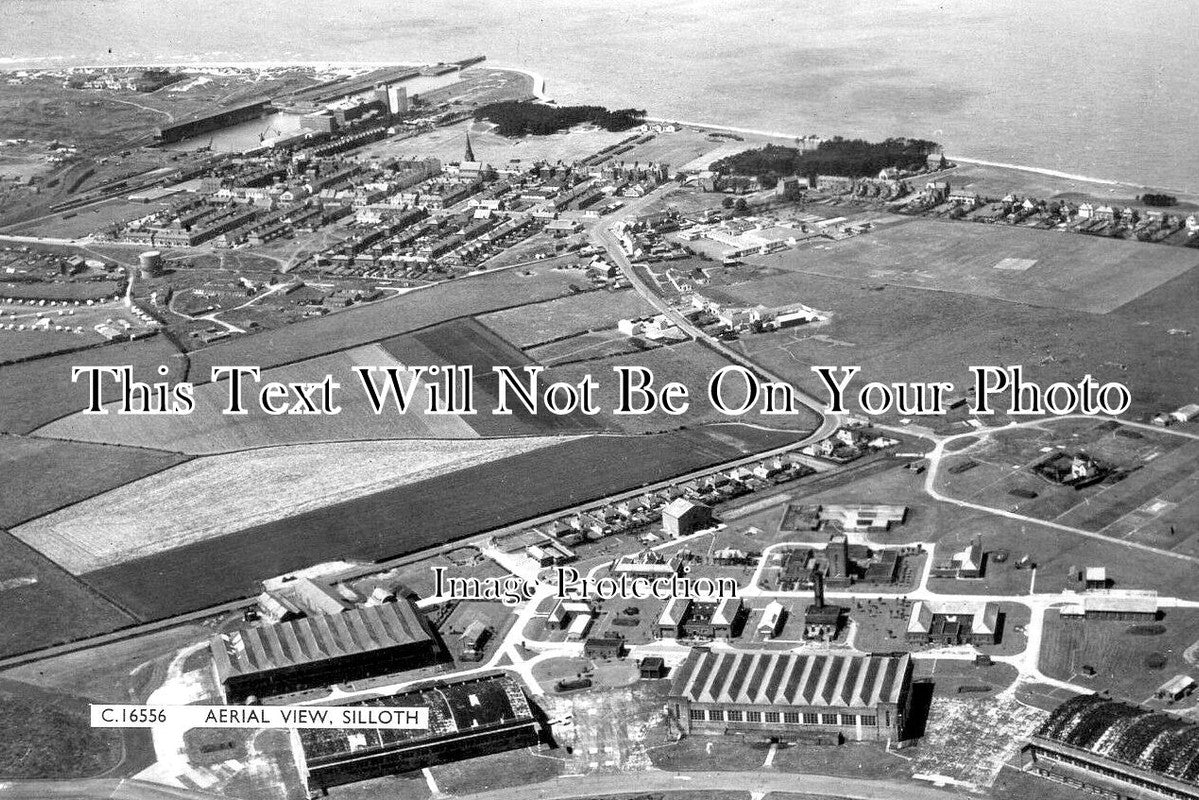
(1185, 413)
(704, 618)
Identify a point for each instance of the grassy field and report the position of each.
(409, 518)
(41, 476)
(1074, 273)
(584, 347)
(898, 333)
(33, 393)
(42, 605)
(1156, 504)
(81, 290)
(377, 321)
(544, 322)
(208, 430)
(47, 735)
(20, 345)
(211, 497)
(1117, 654)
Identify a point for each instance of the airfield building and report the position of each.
(469, 717)
(321, 650)
(683, 517)
(792, 696)
(952, 622)
(1117, 749)
(684, 617)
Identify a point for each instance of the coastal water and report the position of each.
(1095, 87)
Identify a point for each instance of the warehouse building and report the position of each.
(1116, 749)
(321, 650)
(1132, 605)
(793, 696)
(469, 717)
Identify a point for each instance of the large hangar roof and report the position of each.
(773, 678)
(317, 638)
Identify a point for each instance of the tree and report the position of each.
(726, 202)
(741, 207)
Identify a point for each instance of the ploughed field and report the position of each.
(418, 515)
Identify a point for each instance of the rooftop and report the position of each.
(773, 678)
(317, 638)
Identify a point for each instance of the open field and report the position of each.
(691, 364)
(52, 329)
(897, 333)
(584, 347)
(211, 497)
(73, 290)
(377, 321)
(40, 476)
(1156, 504)
(42, 605)
(1076, 273)
(48, 735)
(208, 430)
(20, 345)
(545, 322)
(409, 518)
(1118, 652)
(469, 343)
(33, 393)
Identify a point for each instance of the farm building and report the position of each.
(469, 717)
(321, 650)
(713, 618)
(769, 693)
(1116, 749)
(683, 517)
(953, 622)
(1113, 604)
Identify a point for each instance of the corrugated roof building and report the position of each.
(321, 650)
(1116, 749)
(793, 695)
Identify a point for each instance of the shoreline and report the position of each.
(541, 95)
(792, 137)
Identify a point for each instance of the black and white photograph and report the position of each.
(626, 400)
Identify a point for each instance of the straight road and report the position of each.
(756, 781)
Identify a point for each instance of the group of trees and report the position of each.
(1153, 199)
(850, 158)
(519, 119)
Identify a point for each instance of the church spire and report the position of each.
(470, 153)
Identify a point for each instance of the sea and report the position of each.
(1100, 88)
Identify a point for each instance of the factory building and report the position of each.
(791, 696)
(321, 650)
(1116, 749)
(469, 717)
